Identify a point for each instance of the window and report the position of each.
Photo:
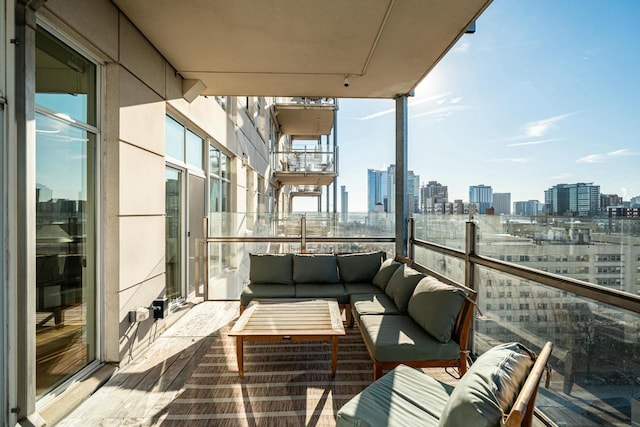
(183, 146)
(67, 136)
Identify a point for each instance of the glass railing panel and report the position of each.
(307, 161)
(445, 265)
(594, 250)
(596, 357)
(446, 230)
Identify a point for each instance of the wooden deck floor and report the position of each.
(140, 393)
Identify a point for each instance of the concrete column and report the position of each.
(25, 77)
(401, 209)
(335, 157)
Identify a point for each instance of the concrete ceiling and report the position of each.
(304, 47)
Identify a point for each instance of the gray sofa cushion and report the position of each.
(489, 387)
(403, 397)
(398, 338)
(362, 288)
(385, 272)
(324, 290)
(271, 268)
(373, 304)
(402, 284)
(356, 268)
(319, 268)
(263, 291)
(435, 306)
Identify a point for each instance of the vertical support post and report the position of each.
(470, 249)
(303, 234)
(25, 71)
(401, 209)
(410, 236)
(207, 258)
(335, 155)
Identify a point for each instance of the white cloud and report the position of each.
(541, 127)
(540, 141)
(599, 157)
(411, 103)
(442, 111)
(591, 158)
(513, 160)
(463, 46)
(455, 100)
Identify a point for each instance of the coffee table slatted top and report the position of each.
(295, 317)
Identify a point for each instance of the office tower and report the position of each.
(381, 190)
(377, 191)
(434, 197)
(607, 200)
(482, 196)
(580, 199)
(502, 203)
(528, 208)
(344, 203)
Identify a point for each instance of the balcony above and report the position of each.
(305, 47)
(304, 167)
(305, 118)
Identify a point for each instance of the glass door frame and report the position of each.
(182, 171)
(97, 189)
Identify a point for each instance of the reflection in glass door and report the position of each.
(173, 227)
(65, 198)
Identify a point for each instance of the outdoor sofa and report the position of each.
(405, 316)
(499, 389)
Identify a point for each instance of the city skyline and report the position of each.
(530, 100)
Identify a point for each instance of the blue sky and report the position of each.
(545, 92)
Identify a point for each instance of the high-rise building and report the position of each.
(482, 196)
(381, 190)
(377, 190)
(635, 202)
(607, 200)
(580, 199)
(528, 208)
(502, 203)
(344, 203)
(434, 197)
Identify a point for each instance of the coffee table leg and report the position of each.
(334, 355)
(239, 355)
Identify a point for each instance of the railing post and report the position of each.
(303, 234)
(410, 236)
(470, 249)
(205, 224)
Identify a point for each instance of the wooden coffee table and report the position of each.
(289, 320)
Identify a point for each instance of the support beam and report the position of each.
(25, 72)
(335, 158)
(401, 205)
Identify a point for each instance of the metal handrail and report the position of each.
(588, 290)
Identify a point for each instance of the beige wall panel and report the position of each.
(142, 248)
(142, 176)
(209, 116)
(173, 82)
(142, 115)
(141, 295)
(141, 58)
(95, 20)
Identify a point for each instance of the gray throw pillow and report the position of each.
(271, 268)
(317, 268)
(359, 268)
(401, 286)
(385, 272)
(489, 388)
(435, 306)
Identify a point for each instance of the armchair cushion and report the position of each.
(271, 268)
(435, 306)
(385, 272)
(402, 284)
(489, 388)
(360, 268)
